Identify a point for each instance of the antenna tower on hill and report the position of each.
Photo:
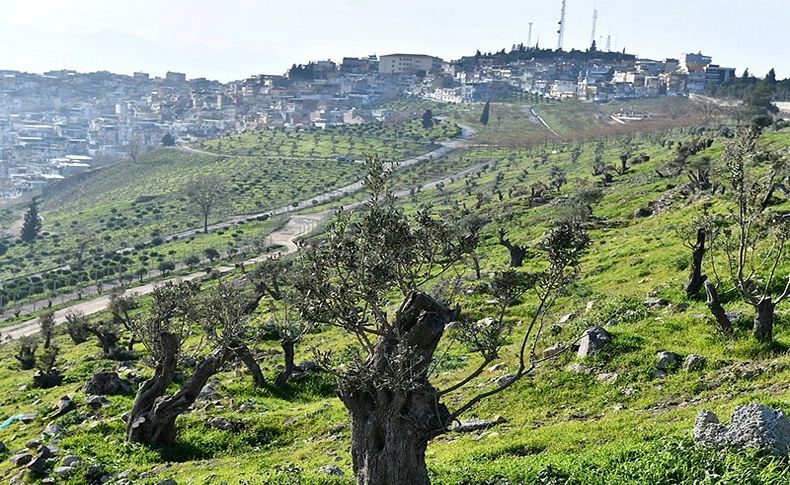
(561, 30)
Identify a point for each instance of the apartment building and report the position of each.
(408, 63)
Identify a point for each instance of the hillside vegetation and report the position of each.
(136, 204)
(615, 417)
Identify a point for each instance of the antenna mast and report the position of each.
(595, 25)
(529, 36)
(561, 30)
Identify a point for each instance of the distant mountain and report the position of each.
(120, 52)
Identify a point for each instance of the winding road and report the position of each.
(297, 226)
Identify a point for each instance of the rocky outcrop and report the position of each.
(333, 470)
(666, 360)
(107, 384)
(753, 425)
(694, 363)
(593, 340)
(476, 424)
(552, 351)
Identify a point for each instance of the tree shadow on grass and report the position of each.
(310, 387)
(200, 442)
(620, 344)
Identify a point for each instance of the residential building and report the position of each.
(408, 64)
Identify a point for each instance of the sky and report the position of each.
(233, 39)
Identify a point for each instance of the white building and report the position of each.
(408, 63)
(563, 89)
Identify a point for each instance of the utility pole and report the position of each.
(561, 31)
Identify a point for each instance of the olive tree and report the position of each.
(273, 278)
(108, 333)
(468, 228)
(47, 375)
(370, 278)
(204, 193)
(26, 353)
(290, 327)
(77, 327)
(753, 243)
(517, 252)
(253, 292)
(120, 308)
(46, 322)
(176, 314)
(694, 234)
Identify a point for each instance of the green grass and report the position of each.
(126, 204)
(561, 426)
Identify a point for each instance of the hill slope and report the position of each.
(610, 418)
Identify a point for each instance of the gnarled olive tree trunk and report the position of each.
(517, 253)
(764, 320)
(246, 356)
(722, 322)
(153, 417)
(288, 354)
(391, 426)
(696, 278)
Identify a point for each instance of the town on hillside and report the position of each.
(59, 123)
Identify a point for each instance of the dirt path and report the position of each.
(286, 236)
(296, 227)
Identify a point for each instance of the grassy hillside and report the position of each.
(607, 420)
(130, 203)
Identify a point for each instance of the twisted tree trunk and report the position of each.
(391, 426)
(517, 253)
(476, 265)
(27, 361)
(246, 356)
(764, 320)
(137, 430)
(288, 355)
(153, 417)
(696, 278)
(107, 341)
(722, 322)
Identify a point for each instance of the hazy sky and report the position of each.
(230, 39)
